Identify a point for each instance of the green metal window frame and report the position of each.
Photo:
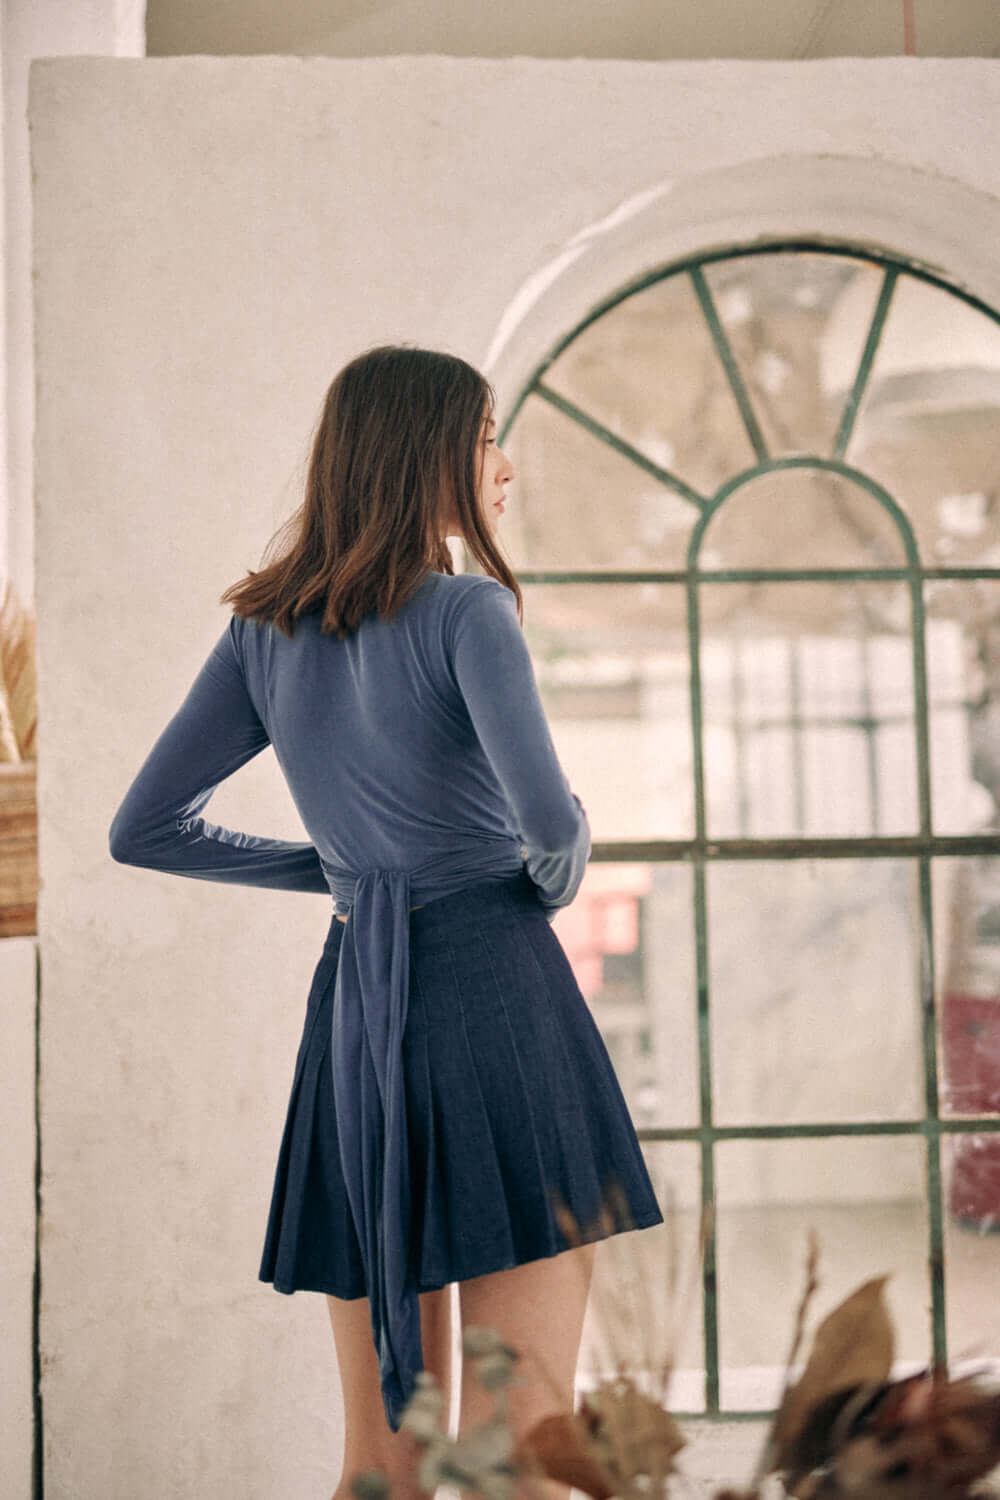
(701, 851)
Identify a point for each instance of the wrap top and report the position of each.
(419, 759)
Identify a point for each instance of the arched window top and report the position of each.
(768, 379)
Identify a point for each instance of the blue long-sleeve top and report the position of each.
(418, 756)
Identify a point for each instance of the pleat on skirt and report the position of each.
(513, 1108)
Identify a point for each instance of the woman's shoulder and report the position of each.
(464, 608)
(460, 589)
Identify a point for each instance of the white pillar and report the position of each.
(17, 1219)
(28, 29)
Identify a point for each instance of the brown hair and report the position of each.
(395, 457)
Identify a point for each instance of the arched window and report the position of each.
(757, 521)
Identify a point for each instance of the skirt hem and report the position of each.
(644, 1221)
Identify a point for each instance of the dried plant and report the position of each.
(18, 705)
(481, 1461)
(843, 1430)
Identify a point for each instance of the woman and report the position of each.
(451, 1089)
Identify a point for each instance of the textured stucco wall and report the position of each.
(213, 239)
(18, 957)
(28, 28)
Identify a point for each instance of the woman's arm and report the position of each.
(214, 732)
(494, 671)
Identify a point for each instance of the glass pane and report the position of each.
(966, 900)
(971, 1166)
(646, 1299)
(648, 369)
(612, 665)
(798, 952)
(577, 503)
(807, 704)
(801, 518)
(630, 938)
(928, 426)
(778, 313)
(963, 687)
(865, 1200)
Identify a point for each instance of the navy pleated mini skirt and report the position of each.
(512, 1108)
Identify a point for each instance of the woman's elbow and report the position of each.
(561, 833)
(124, 842)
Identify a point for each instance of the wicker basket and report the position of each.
(18, 849)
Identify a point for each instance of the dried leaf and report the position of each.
(853, 1346)
(429, 1474)
(478, 1342)
(422, 1416)
(633, 1434)
(560, 1448)
(922, 1438)
(9, 750)
(371, 1484)
(18, 687)
(821, 1432)
(495, 1485)
(489, 1446)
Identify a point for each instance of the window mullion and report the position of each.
(867, 360)
(729, 364)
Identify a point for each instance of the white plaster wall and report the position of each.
(17, 1217)
(213, 239)
(28, 29)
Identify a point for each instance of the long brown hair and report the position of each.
(395, 457)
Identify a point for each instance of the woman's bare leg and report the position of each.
(369, 1442)
(537, 1309)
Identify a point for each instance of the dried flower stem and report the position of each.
(681, 1306)
(808, 1292)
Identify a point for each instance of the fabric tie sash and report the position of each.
(369, 1014)
(370, 1003)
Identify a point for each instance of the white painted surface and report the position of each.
(17, 1217)
(29, 29)
(214, 238)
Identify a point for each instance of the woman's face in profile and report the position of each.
(495, 474)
